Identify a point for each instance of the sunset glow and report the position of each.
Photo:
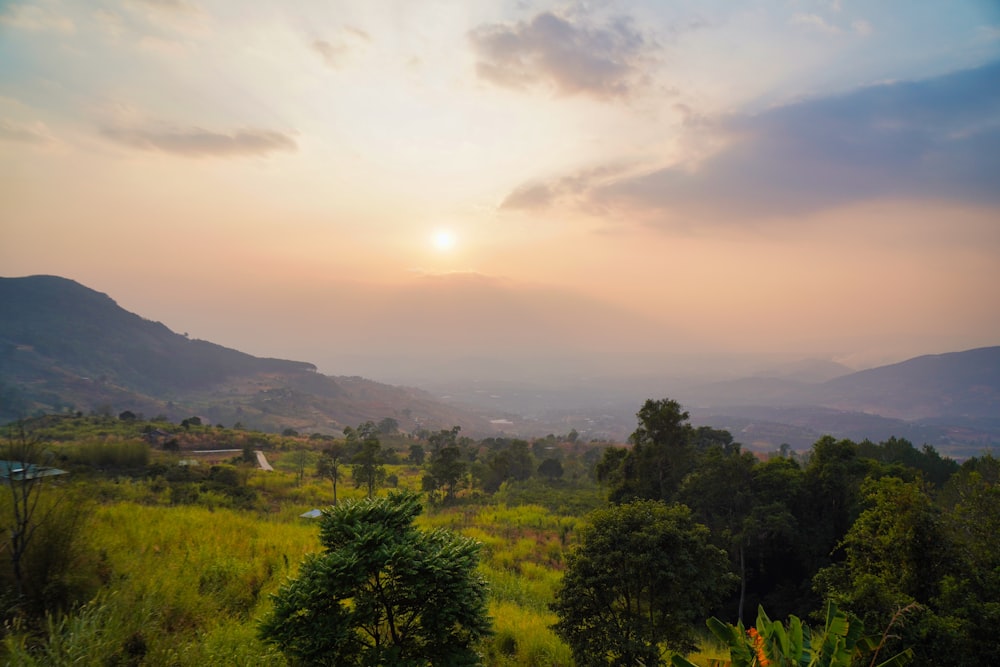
(618, 182)
(444, 240)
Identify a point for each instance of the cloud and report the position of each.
(936, 138)
(862, 27)
(336, 52)
(573, 58)
(196, 142)
(572, 189)
(528, 197)
(168, 5)
(35, 133)
(815, 22)
(36, 19)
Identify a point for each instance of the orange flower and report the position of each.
(758, 645)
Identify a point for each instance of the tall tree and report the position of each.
(368, 470)
(445, 471)
(328, 465)
(24, 479)
(897, 554)
(719, 493)
(642, 577)
(661, 454)
(382, 592)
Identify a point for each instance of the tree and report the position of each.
(719, 492)
(417, 455)
(661, 454)
(388, 426)
(328, 466)
(445, 472)
(44, 533)
(512, 462)
(897, 554)
(382, 592)
(551, 468)
(25, 481)
(642, 577)
(368, 470)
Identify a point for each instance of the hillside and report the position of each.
(64, 347)
(958, 384)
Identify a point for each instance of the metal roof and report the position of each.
(18, 470)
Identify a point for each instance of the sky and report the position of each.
(395, 189)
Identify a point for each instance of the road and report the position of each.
(262, 461)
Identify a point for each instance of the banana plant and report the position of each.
(839, 643)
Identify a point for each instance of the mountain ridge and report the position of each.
(66, 346)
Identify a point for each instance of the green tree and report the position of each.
(551, 468)
(642, 577)
(719, 493)
(388, 426)
(382, 592)
(661, 454)
(445, 471)
(328, 465)
(44, 533)
(897, 554)
(512, 462)
(368, 470)
(417, 454)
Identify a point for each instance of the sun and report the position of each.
(443, 240)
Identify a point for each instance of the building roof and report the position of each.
(17, 470)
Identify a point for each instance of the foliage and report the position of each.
(382, 592)
(902, 550)
(775, 644)
(328, 465)
(369, 468)
(46, 569)
(551, 468)
(661, 453)
(640, 579)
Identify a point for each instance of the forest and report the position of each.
(135, 541)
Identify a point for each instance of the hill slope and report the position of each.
(65, 346)
(956, 384)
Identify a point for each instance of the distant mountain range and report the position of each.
(64, 346)
(950, 401)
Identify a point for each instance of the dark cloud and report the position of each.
(570, 56)
(196, 142)
(937, 138)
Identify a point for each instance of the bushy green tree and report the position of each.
(382, 592)
(445, 471)
(662, 453)
(641, 579)
(898, 554)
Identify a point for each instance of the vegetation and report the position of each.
(839, 643)
(382, 592)
(149, 553)
(641, 580)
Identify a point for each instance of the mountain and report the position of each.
(957, 384)
(951, 401)
(65, 346)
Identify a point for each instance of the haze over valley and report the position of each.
(541, 211)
